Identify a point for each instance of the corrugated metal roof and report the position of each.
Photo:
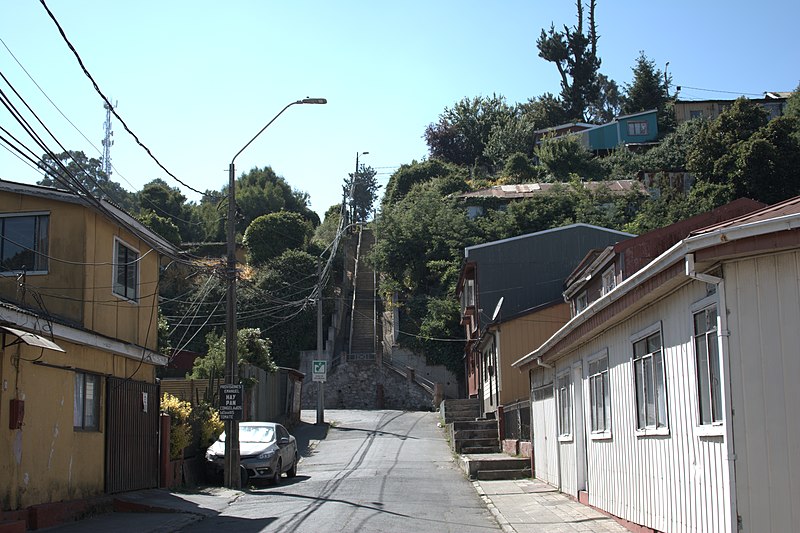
(528, 190)
(787, 207)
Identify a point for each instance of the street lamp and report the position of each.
(232, 456)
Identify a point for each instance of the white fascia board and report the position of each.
(85, 338)
(660, 263)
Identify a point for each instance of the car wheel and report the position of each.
(292, 472)
(245, 476)
(276, 477)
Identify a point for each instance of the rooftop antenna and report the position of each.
(107, 140)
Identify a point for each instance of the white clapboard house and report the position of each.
(673, 400)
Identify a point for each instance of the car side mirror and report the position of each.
(283, 441)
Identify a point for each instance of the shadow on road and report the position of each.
(308, 435)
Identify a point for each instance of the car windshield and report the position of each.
(256, 434)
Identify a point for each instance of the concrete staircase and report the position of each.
(468, 433)
(495, 466)
(477, 441)
(476, 436)
(364, 337)
(460, 410)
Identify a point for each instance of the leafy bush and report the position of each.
(206, 424)
(180, 429)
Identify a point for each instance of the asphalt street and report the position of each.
(376, 471)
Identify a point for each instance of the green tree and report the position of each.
(250, 348)
(361, 188)
(519, 168)
(672, 153)
(270, 235)
(515, 135)
(463, 131)
(544, 111)
(650, 90)
(767, 166)
(260, 191)
(714, 152)
(168, 202)
(405, 177)
(609, 101)
(286, 284)
(564, 156)
(161, 225)
(574, 53)
(673, 205)
(72, 169)
(792, 108)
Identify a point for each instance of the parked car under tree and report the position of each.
(266, 451)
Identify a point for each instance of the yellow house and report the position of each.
(78, 322)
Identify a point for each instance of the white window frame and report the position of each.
(83, 403)
(638, 128)
(605, 381)
(609, 279)
(581, 302)
(715, 427)
(650, 357)
(44, 266)
(563, 393)
(137, 264)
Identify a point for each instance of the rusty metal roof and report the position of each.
(528, 190)
(787, 207)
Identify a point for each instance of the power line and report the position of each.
(681, 87)
(108, 103)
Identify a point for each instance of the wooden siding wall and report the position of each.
(764, 321)
(518, 338)
(674, 482)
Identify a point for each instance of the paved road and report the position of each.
(376, 471)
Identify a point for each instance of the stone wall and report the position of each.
(366, 385)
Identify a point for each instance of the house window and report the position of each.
(86, 413)
(24, 243)
(706, 354)
(126, 271)
(651, 393)
(609, 281)
(564, 405)
(581, 302)
(636, 128)
(695, 114)
(599, 403)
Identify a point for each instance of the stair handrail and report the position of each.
(355, 291)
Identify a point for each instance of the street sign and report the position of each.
(230, 402)
(319, 370)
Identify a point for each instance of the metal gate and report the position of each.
(132, 414)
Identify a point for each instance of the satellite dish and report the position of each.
(497, 309)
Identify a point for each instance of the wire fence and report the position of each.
(517, 421)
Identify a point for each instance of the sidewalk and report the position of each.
(533, 506)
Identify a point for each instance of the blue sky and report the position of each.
(196, 80)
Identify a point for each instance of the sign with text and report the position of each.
(230, 402)
(319, 370)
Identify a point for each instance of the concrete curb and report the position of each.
(501, 520)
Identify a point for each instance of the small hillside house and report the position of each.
(513, 282)
(79, 403)
(625, 130)
(670, 400)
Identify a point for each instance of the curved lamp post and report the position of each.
(232, 456)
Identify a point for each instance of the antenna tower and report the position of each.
(107, 140)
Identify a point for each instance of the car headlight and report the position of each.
(266, 455)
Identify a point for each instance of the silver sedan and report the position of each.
(266, 449)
